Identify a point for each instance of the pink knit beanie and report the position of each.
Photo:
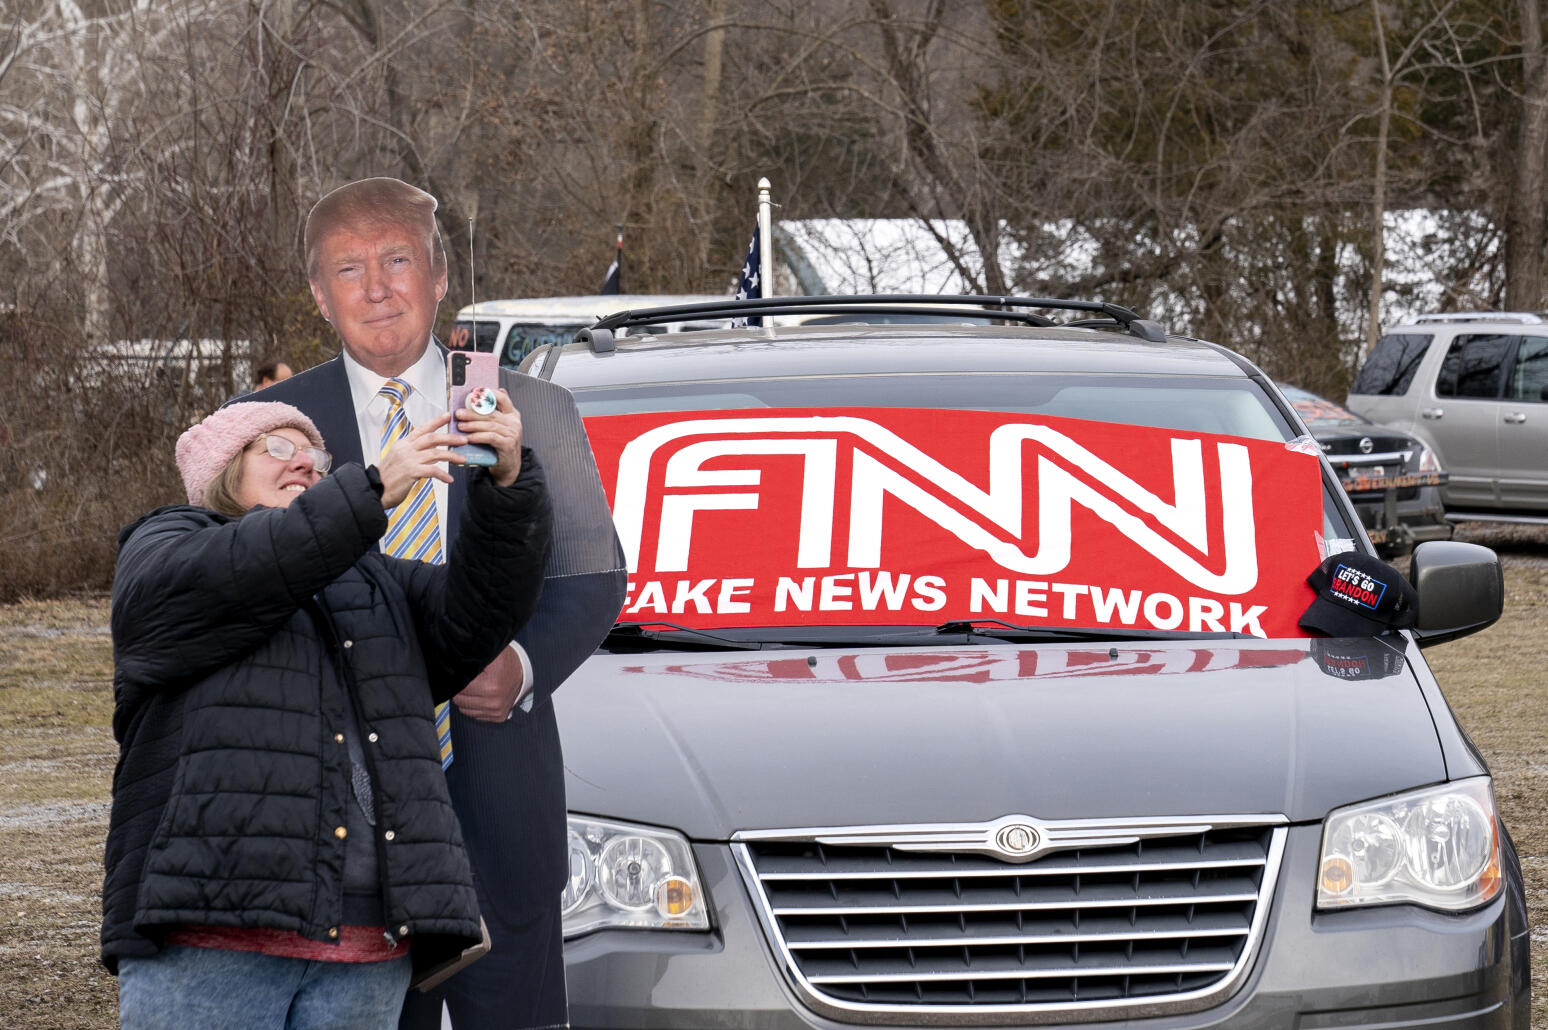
(205, 449)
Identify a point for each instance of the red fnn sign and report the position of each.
(903, 516)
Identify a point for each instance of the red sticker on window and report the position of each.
(895, 516)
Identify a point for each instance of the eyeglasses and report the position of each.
(283, 448)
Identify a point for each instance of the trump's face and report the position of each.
(379, 287)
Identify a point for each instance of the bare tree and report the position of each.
(1524, 219)
(1210, 163)
(948, 171)
(1392, 72)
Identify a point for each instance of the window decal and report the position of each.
(893, 516)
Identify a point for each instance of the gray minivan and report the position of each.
(1017, 806)
(1474, 387)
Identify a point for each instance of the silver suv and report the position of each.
(1474, 387)
(960, 685)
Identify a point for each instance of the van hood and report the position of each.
(711, 744)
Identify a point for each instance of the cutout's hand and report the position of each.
(501, 430)
(493, 692)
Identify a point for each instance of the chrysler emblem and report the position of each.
(1366, 445)
(1017, 839)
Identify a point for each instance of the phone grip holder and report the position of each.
(482, 402)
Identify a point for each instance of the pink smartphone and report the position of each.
(471, 376)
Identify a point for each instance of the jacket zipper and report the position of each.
(346, 674)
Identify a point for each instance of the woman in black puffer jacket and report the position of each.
(281, 848)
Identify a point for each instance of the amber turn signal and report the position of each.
(1337, 874)
(674, 896)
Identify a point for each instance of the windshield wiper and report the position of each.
(999, 629)
(634, 636)
(659, 635)
(962, 631)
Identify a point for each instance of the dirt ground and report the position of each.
(57, 765)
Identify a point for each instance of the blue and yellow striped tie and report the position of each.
(414, 527)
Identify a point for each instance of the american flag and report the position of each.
(750, 286)
(613, 281)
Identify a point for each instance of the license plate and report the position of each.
(1365, 484)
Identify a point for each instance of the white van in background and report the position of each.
(170, 364)
(515, 328)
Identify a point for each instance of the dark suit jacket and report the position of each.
(507, 780)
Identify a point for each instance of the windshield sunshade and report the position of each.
(899, 516)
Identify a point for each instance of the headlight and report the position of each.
(623, 875)
(1438, 847)
(1428, 462)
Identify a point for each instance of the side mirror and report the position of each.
(1461, 590)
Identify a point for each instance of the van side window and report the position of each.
(526, 337)
(1529, 380)
(1392, 364)
(485, 334)
(1474, 367)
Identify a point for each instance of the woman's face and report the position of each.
(271, 482)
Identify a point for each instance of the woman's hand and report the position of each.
(500, 430)
(420, 455)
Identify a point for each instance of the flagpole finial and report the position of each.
(766, 242)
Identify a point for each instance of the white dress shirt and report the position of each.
(426, 401)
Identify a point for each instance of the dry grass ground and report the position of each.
(1495, 683)
(56, 706)
(57, 767)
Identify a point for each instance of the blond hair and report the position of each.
(221, 493)
(373, 204)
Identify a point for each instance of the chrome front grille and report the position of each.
(1123, 923)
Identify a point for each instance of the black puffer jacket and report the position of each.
(239, 646)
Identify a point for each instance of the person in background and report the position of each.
(271, 372)
(282, 851)
(378, 272)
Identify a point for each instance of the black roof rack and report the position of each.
(878, 304)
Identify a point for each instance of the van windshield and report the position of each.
(1229, 406)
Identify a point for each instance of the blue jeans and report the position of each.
(201, 988)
